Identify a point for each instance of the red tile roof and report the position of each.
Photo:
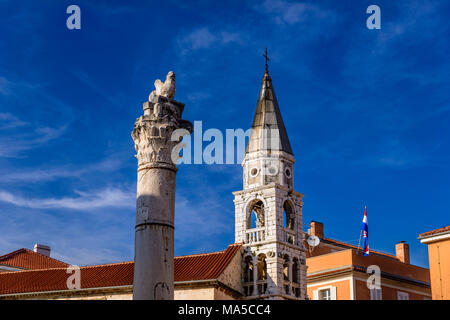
(187, 268)
(27, 259)
(433, 232)
(350, 246)
(118, 274)
(204, 266)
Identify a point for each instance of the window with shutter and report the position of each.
(375, 294)
(325, 293)
(402, 295)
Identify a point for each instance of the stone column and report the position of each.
(155, 205)
(290, 264)
(255, 276)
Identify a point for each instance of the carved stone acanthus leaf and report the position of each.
(153, 131)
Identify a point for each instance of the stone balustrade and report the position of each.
(255, 235)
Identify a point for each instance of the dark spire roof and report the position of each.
(268, 116)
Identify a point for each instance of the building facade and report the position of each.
(438, 242)
(339, 271)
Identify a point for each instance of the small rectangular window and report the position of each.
(375, 294)
(402, 295)
(325, 294)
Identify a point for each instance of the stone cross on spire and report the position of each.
(267, 59)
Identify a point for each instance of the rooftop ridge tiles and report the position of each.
(435, 231)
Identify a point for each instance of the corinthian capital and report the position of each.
(153, 131)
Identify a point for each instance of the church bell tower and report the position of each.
(268, 212)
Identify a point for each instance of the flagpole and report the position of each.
(359, 241)
(360, 233)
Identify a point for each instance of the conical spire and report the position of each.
(268, 116)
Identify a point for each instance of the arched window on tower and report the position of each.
(295, 277)
(286, 273)
(295, 270)
(248, 276)
(288, 215)
(286, 268)
(248, 270)
(262, 274)
(256, 215)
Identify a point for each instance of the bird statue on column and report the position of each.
(166, 89)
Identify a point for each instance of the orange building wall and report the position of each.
(392, 266)
(351, 257)
(328, 261)
(439, 256)
(390, 293)
(362, 292)
(321, 269)
(342, 289)
(320, 250)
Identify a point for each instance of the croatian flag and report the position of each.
(365, 231)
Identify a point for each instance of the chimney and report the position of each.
(402, 251)
(316, 229)
(42, 249)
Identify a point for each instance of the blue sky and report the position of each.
(367, 113)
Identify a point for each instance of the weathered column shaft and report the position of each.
(155, 204)
(154, 239)
(255, 277)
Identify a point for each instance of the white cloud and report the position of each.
(204, 216)
(76, 237)
(203, 38)
(9, 121)
(87, 255)
(228, 37)
(95, 199)
(205, 219)
(19, 135)
(14, 144)
(93, 84)
(283, 12)
(45, 134)
(4, 86)
(49, 174)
